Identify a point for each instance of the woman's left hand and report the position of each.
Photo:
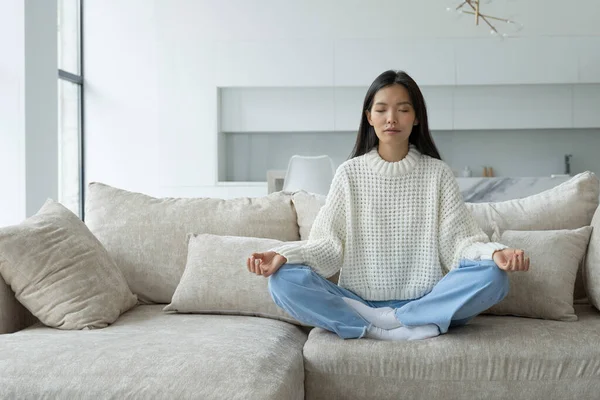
(511, 260)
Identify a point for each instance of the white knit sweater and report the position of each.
(394, 228)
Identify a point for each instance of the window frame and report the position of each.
(78, 80)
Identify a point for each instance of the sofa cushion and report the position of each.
(569, 205)
(146, 236)
(307, 207)
(492, 357)
(216, 279)
(13, 315)
(61, 273)
(148, 354)
(546, 290)
(591, 270)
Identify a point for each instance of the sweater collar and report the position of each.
(398, 168)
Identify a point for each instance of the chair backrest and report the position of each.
(310, 173)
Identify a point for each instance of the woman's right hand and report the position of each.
(265, 264)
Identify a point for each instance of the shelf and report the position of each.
(465, 107)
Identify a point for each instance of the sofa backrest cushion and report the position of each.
(570, 205)
(147, 236)
(13, 315)
(307, 207)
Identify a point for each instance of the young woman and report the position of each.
(413, 260)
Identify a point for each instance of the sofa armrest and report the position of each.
(13, 316)
(591, 269)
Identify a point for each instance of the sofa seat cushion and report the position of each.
(492, 357)
(151, 354)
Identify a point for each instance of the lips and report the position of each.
(392, 131)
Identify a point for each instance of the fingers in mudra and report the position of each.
(253, 265)
(518, 262)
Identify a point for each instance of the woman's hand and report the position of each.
(265, 264)
(511, 260)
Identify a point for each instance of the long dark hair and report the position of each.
(366, 140)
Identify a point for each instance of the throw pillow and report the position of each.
(61, 273)
(569, 205)
(546, 290)
(217, 281)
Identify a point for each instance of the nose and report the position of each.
(391, 118)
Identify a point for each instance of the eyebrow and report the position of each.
(380, 103)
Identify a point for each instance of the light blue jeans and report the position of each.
(458, 297)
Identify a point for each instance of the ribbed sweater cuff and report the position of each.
(482, 251)
(292, 252)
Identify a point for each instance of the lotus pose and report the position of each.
(412, 260)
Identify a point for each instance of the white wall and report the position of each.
(28, 107)
(153, 73)
(121, 93)
(12, 135)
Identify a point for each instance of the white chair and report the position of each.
(310, 173)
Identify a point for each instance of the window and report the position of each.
(70, 106)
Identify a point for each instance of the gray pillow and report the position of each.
(61, 273)
(217, 281)
(546, 290)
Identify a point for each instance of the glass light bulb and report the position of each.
(515, 26)
(456, 14)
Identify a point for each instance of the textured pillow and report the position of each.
(569, 205)
(546, 290)
(146, 236)
(217, 281)
(61, 273)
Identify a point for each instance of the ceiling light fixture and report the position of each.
(473, 7)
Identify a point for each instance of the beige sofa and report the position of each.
(149, 353)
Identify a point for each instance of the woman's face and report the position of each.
(392, 115)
